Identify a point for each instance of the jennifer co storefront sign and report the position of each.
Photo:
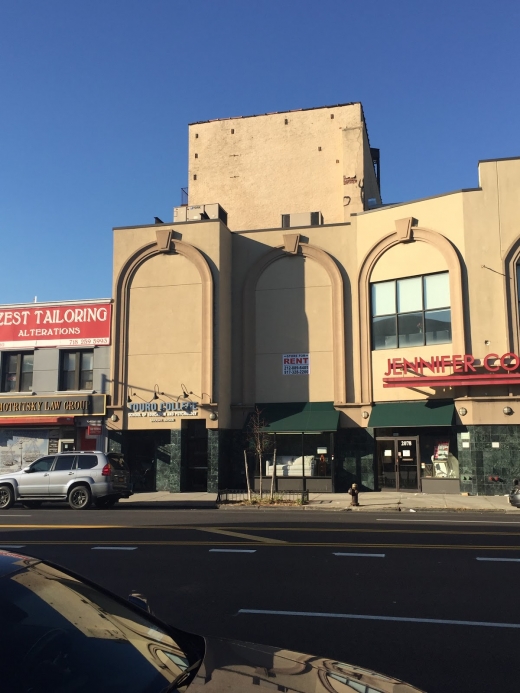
(71, 405)
(493, 369)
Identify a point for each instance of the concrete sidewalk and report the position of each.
(369, 502)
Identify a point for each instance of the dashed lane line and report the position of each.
(507, 560)
(232, 550)
(362, 555)
(365, 617)
(114, 548)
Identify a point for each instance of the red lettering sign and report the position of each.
(48, 325)
(505, 369)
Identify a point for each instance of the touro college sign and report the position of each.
(81, 324)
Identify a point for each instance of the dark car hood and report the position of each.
(231, 666)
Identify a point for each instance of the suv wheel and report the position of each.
(6, 497)
(80, 497)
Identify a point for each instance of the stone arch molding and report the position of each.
(511, 292)
(405, 232)
(163, 244)
(292, 246)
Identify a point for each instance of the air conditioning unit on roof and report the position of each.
(199, 213)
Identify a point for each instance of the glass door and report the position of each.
(407, 472)
(397, 463)
(386, 464)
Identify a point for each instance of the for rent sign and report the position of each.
(296, 364)
(66, 324)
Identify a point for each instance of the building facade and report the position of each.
(377, 342)
(55, 366)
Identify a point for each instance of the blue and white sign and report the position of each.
(166, 409)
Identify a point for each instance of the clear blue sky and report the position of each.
(95, 98)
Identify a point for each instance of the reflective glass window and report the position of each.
(384, 332)
(383, 298)
(413, 311)
(409, 295)
(411, 329)
(64, 463)
(438, 326)
(437, 291)
(43, 464)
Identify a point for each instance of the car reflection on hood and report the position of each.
(62, 634)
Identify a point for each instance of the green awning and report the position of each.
(298, 417)
(424, 413)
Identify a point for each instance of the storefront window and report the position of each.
(438, 457)
(299, 454)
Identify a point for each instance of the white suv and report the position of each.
(77, 477)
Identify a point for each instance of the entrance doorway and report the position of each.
(140, 455)
(196, 456)
(398, 463)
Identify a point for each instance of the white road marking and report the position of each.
(505, 560)
(451, 522)
(239, 535)
(364, 617)
(7, 517)
(365, 555)
(233, 550)
(8, 547)
(114, 548)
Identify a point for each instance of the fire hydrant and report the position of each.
(353, 490)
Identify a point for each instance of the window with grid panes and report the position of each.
(76, 370)
(17, 371)
(413, 311)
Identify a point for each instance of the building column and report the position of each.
(355, 459)
(213, 460)
(175, 448)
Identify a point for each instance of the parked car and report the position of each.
(514, 494)
(77, 477)
(63, 634)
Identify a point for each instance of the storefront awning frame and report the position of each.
(299, 417)
(407, 414)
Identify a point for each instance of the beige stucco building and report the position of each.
(378, 341)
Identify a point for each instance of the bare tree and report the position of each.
(273, 474)
(258, 439)
(247, 476)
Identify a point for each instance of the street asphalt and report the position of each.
(429, 597)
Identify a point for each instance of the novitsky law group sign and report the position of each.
(453, 370)
(70, 405)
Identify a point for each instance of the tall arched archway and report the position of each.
(405, 233)
(121, 312)
(511, 287)
(249, 315)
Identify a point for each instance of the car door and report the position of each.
(61, 474)
(35, 481)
